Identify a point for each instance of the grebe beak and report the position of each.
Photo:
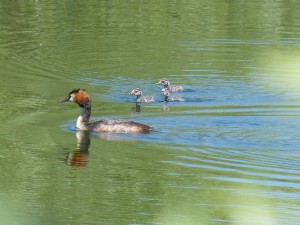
(65, 100)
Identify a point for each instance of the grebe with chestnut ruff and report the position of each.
(82, 99)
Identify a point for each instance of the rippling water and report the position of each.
(226, 154)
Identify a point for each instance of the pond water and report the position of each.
(226, 154)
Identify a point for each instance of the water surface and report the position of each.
(227, 154)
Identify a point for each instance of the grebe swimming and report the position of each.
(166, 93)
(166, 83)
(83, 100)
(139, 98)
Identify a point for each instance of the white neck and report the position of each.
(83, 120)
(81, 124)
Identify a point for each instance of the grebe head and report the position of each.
(136, 92)
(164, 82)
(80, 97)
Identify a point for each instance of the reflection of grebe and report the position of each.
(166, 93)
(166, 83)
(139, 98)
(80, 97)
(78, 158)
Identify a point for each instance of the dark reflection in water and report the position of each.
(79, 157)
(137, 107)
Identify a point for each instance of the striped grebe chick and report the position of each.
(82, 99)
(166, 83)
(166, 93)
(139, 98)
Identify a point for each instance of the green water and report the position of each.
(227, 154)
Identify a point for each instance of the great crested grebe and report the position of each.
(83, 100)
(166, 83)
(139, 98)
(166, 93)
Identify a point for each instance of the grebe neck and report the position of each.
(83, 119)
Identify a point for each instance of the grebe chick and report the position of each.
(139, 98)
(166, 83)
(83, 100)
(166, 93)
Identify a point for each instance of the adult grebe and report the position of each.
(166, 83)
(139, 98)
(82, 99)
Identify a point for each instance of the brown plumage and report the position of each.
(81, 97)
